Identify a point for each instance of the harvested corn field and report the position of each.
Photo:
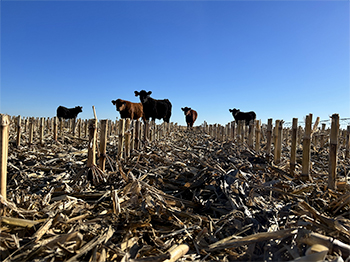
(182, 197)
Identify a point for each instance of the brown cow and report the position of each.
(128, 109)
(191, 116)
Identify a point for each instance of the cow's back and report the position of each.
(132, 110)
(157, 109)
(252, 115)
(191, 117)
(138, 110)
(68, 113)
(61, 112)
(195, 115)
(167, 110)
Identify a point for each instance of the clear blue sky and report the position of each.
(282, 59)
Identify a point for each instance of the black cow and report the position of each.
(247, 116)
(153, 108)
(68, 113)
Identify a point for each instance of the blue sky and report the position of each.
(282, 59)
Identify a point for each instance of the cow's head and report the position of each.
(79, 109)
(234, 111)
(119, 104)
(143, 95)
(186, 110)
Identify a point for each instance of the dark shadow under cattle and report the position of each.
(128, 109)
(68, 113)
(191, 116)
(246, 116)
(153, 108)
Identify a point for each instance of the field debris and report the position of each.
(183, 197)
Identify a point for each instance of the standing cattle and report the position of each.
(247, 116)
(191, 116)
(128, 109)
(153, 108)
(68, 113)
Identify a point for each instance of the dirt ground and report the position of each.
(184, 197)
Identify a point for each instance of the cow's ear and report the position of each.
(137, 93)
(230, 110)
(182, 109)
(149, 93)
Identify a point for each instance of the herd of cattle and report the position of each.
(151, 108)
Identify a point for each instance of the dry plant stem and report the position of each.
(86, 129)
(269, 136)
(92, 143)
(294, 146)
(243, 127)
(31, 130)
(176, 252)
(231, 243)
(94, 110)
(307, 147)
(20, 222)
(333, 148)
(347, 152)
(121, 138)
(251, 133)
(132, 136)
(137, 134)
(74, 124)
(42, 126)
(277, 154)
(18, 140)
(146, 132)
(233, 130)
(315, 125)
(103, 145)
(311, 238)
(93, 243)
(323, 131)
(257, 135)
(279, 140)
(55, 128)
(4, 136)
(62, 122)
(127, 138)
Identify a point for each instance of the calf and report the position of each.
(247, 116)
(191, 116)
(128, 109)
(153, 108)
(68, 113)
